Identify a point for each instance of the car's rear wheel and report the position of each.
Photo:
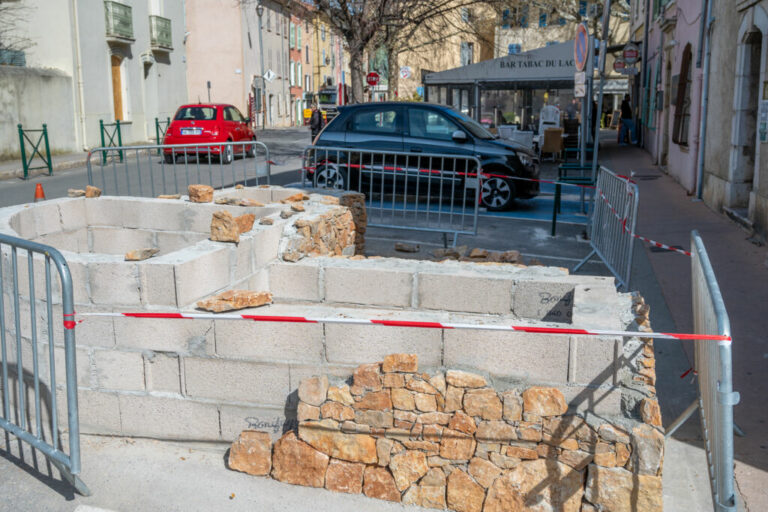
(497, 194)
(329, 175)
(227, 153)
(170, 158)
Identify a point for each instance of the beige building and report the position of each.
(93, 60)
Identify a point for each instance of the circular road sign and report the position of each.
(581, 47)
(631, 53)
(619, 64)
(372, 78)
(405, 72)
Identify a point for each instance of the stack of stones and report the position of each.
(355, 201)
(330, 233)
(451, 441)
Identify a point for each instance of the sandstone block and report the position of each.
(647, 450)
(295, 462)
(91, 192)
(650, 411)
(513, 406)
(306, 412)
(439, 418)
(421, 386)
(252, 453)
(337, 411)
(245, 222)
(605, 455)
(577, 459)
(502, 460)
(504, 496)
(463, 423)
(454, 396)
(622, 454)
(375, 419)
(456, 445)
(393, 380)
(403, 399)
(384, 450)
(140, 254)
(483, 471)
(344, 477)
(484, 403)
(544, 401)
(337, 444)
(547, 484)
(231, 300)
(438, 382)
(527, 431)
(340, 394)
(224, 228)
(521, 452)
(375, 400)
(424, 402)
(400, 363)
(200, 193)
(313, 391)
(618, 490)
(430, 492)
(495, 431)
(378, 483)
(462, 379)
(368, 376)
(463, 493)
(408, 467)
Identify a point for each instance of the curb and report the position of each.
(19, 172)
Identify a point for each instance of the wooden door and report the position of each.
(117, 87)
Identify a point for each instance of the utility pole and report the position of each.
(263, 92)
(601, 70)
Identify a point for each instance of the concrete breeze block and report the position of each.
(550, 301)
(266, 242)
(166, 335)
(472, 294)
(359, 344)
(169, 418)
(158, 283)
(595, 361)
(114, 283)
(242, 263)
(533, 358)
(295, 281)
(236, 381)
(235, 419)
(72, 214)
(162, 372)
(99, 412)
(600, 401)
(268, 341)
(105, 211)
(370, 286)
(119, 370)
(203, 274)
(119, 240)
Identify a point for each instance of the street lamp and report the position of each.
(260, 13)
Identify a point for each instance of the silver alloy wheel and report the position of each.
(496, 193)
(228, 154)
(329, 176)
(251, 151)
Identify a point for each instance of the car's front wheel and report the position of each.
(497, 194)
(170, 158)
(251, 151)
(227, 153)
(329, 175)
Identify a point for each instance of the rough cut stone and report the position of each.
(200, 193)
(169, 196)
(430, 493)
(235, 299)
(375, 400)
(305, 412)
(503, 461)
(456, 445)
(224, 228)
(378, 483)
(521, 452)
(266, 221)
(647, 450)
(463, 493)
(252, 453)
(650, 411)
(245, 222)
(368, 376)
(297, 207)
(299, 196)
(403, 247)
(248, 202)
(544, 401)
(504, 496)
(529, 431)
(313, 390)
(483, 471)
(513, 407)
(337, 411)
(75, 192)
(140, 254)
(295, 462)
(547, 485)
(463, 423)
(605, 455)
(618, 490)
(407, 467)
(286, 214)
(403, 399)
(393, 380)
(425, 402)
(91, 192)
(613, 434)
(462, 379)
(344, 477)
(498, 431)
(622, 454)
(453, 398)
(400, 363)
(337, 444)
(577, 459)
(484, 403)
(375, 419)
(421, 386)
(438, 382)
(384, 450)
(340, 394)
(439, 418)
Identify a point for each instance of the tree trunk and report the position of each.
(357, 78)
(394, 72)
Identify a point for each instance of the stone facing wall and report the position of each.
(449, 440)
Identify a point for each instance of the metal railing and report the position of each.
(43, 138)
(161, 127)
(39, 425)
(712, 362)
(144, 173)
(111, 138)
(415, 191)
(612, 227)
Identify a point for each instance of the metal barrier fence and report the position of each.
(712, 362)
(24, 139)
(416, 191)
(160, 128)
(612, 229)
(38, 426)
(111, 139)
(144, 173)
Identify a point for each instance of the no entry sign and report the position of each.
(372, 78)
(631, 53)
(581, 47)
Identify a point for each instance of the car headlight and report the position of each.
(525, 159)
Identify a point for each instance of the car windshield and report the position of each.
(471, 126)
(196, 114)
(326, 97)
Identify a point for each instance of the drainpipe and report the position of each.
(79, 71)
(646, 71)
(704, 102)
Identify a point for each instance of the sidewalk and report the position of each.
(668, 215)
(15, 169)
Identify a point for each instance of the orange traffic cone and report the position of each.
(39, 193)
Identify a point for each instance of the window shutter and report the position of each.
(679, 133)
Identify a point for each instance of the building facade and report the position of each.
(92, 61)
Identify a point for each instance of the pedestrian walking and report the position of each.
(627, 122)
(315, 122)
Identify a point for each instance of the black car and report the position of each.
(421, 128)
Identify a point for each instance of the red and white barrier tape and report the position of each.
(406, 323)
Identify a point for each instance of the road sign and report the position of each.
(579, 84)
(631, 53)
(405, 72)
(629, 71)
(618, 65)
(581, 47)
(372, 78)
(269, 75)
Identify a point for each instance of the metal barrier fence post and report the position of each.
(115, 134)
(158, 131)
(42, 411)
(713, 365)
(43, 138)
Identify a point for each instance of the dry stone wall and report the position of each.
(449, 440)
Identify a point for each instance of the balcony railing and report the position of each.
(160, 33)
(119, 19)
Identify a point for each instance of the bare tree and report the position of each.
(13, 16)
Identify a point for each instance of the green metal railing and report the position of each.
(110, 138)
(119, 19)
(160, 128)
(24, 139)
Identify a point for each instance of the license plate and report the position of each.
(191, 131)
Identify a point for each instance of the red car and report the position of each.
(205, 123)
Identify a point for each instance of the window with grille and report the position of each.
(542, 19)
(514, 49)
(683, 103)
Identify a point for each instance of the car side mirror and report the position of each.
(459, 136)
(247, 120)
